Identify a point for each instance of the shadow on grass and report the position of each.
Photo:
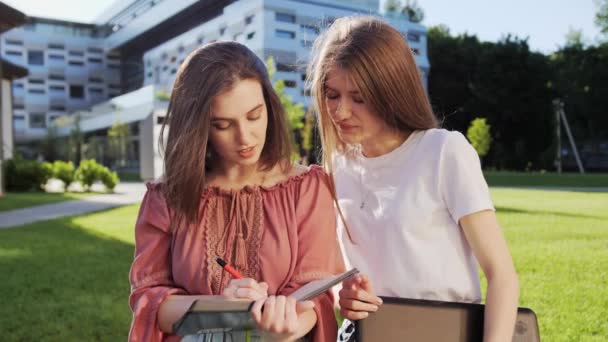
(63, 283)
(509, 210)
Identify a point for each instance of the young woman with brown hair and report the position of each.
(416, 213)
(230, 191)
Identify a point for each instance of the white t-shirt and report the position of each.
(402, 210)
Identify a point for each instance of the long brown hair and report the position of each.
(206, 73)
(381, 65)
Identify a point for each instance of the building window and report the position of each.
(56, 46)
(94, 60)
(285, 67)
(415, 51)
(19, 123)
(285, 34)
(14, 53)
(76, 63)
(76, 53)
(290, 84)
(250, 35)
(200, 40)
(18, 106)
(309, 29)
(95, 79)
(305, 92)
(13, 42)
(56, 77)
(36, 91)
(57, 57)
(95, 90)
(180, 49)
(285, 17)
(36, 81)
(37, 120)
(303, 77)
(173, 71)
(58, 108)
(17, 85)
(222, 30)
(413, 37)
(249, 19)
(57, 88)
(95, 50)
(306, 43)
(35, 57)
(76, 92)
(114, 66)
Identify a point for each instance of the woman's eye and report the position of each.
(254, 118)
(357, 100)
(331, 96)
(221, 126)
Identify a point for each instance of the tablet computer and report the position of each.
(401, 319)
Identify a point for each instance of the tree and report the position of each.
(118, 136)
(601, 17)
(294, 111)
(413, 11)
(392, 6)
(479, 136)
(76, 141)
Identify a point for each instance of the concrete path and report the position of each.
(125, 193)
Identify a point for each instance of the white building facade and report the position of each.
(135, 48)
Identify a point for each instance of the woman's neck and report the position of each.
(236, 177)
(383, 143)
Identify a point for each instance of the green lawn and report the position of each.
(537, 179)
(18, 200)
(67, 279)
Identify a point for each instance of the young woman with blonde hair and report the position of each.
(230, 191)
(416, 213)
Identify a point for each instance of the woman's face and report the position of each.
(239, 119)
(355, 121)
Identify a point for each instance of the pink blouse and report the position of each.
(284, 235)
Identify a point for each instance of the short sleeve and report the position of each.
(150, 275)
(318, 254)
(462, 185)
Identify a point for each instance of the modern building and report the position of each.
(69, 69)
(135, 48)
(9, 18)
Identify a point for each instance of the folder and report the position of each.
(402, 319)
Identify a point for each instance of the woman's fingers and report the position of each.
(353, 315)
(360, 295)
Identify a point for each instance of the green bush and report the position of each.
(64, 171)
(109, 179)
(26, 175)
(90, 171)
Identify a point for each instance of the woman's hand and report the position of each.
(279, 318)
(357, 298)
(246, 288)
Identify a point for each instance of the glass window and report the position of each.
(95, 79)
(285, 67)
(416, 51)
(37, 120)
(36, 81)
(94, 60)
(56, 77)
(285, 17)
(95, 50)
(306, 43)
(56, 46)
(290, 84)
(76, 92)
(309, 29)
(76, 53)
(17, 85)
(413, 37)
(57, 88)
(57, 57)
(13, 53)
(285, 34)
(249, 19)
(35, 57)
(250, 35)
(76, 63)
(36, 91)
(19, 123)
(13, 42)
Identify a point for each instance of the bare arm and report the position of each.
(485, 237)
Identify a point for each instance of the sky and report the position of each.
(544, 22)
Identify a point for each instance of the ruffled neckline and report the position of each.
(216, 190)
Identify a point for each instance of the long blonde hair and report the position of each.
(381, 65)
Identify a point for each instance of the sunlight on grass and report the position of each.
(69, 277)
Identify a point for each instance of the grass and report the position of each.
(67, 279)
(19, 200)
(537, 179)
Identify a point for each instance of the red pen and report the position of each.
(226, 266)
